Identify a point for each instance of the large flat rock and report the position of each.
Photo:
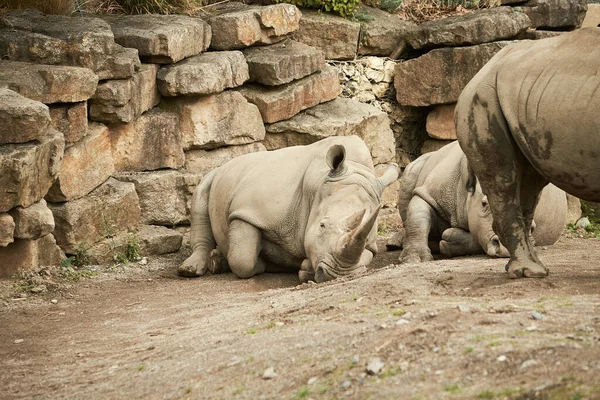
(283, 62)
(86, 165)
(161, 39)
(206, 73)
(108, 210)
(33, 222)
(381, 32)
(27, 170)
(440, 122)
(153, 141)
(424, 81)
(165, 196)
(556, 14)
(123, 100)
(204, 161)
(237, 26)
(25, 254)
(337, 37)
(48, 83)
(71, 119)
(21, 119)
(481, 26)
(217, 120)
(277, 103)
(339, 117)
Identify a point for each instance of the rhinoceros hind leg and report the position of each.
(244, 248)
(419, 220)
(519, 269)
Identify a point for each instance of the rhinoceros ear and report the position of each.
(335, 159)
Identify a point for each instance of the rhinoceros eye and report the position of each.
(484, 202)
(322, 224)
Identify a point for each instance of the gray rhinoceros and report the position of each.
(309, 208)
(441, 201)
(529, 117)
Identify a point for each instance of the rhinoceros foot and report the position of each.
(525, 269)
(218, 262)
(194, 265)
(413, 255)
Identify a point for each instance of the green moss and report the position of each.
(344, 8)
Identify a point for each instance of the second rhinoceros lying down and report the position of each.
(441, 200)
(310, 208)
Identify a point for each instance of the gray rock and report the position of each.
(553, 14)
(161, 39)
(270, 373)
(48, 83)
(337, 37)
(283, 62)
(375, 366)
(33, 222)
(381, 32)
(7, 229)
(121, 64)
(21, 119)
(346, 385)
(70, 119)
(537, 315)
(203, 161)
(583, 222)
(206, 73)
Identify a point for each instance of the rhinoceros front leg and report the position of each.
(458, 242)
(419, 220)
(244, 247)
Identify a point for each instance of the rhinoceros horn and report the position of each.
(352, 244)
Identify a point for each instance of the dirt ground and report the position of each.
(447, 329)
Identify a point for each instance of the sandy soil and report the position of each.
(448, 329)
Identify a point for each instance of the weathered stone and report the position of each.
(86, 165)
(165, 196)
(283, 102)
(283, 62)
(61, 40)
(573, 209)
(123, 100)
(337, 37)
(206, 73)
(26, 254)
(339, 117)
(203, 161)
(7, 229)
(534, 34)
(553, 14)
(217, 120)
(152, 141)
(381, 32)
(161, 39)
(440, 122)
(27, 170)
(21, 119)
(237, 26)
(71, 119)
(109, 209)
(592, 16)
(424, 81)
(33, 222)
(433, 145)
(122, 64)
(481, 26)
(48, 83)
(152, 240)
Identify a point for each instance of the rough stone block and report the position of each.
(123, 100)
(152, 240)
(7, 229)
(340, 117)
(381, 32)
(86, 165)
(440, 123)
(48, 83)
(237, 26)
(283, 62)
(121, 64)
(424, 81)
(27, 170)
(161, 39)
(592, 16)
(534, 34)
(218, 120)
(433, 145)
(26, 254)
(203, 161)
(33, 222)
(556, 14)
(337, 37)
(109, 209)
(152, 141)
(21, 119)
(71, 119)
(277, 103)
(165, 196)
(206, 73)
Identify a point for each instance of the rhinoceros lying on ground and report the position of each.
(529, 117)
(441, 201)
(312, 208)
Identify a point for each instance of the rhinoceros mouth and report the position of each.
(335, 268)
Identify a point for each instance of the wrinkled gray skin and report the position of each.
(441, 202)
(309, 208)
(529, 117)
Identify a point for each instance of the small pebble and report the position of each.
(501, 358)
(269, 373)
(531, 328)
(312, 380)
(38, 289)
(279, 323)
(375, 366)
(537, 315)
(402, 321)
(53, 301)
(345, 384)
(439, 372)
(355, 359)
(463, 308)
(144, 261)
(17, 341)
(527, 363)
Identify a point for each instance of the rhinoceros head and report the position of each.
(341, 231)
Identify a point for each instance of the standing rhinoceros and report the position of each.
(529, 117)
(312, 208)
(441, 200)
